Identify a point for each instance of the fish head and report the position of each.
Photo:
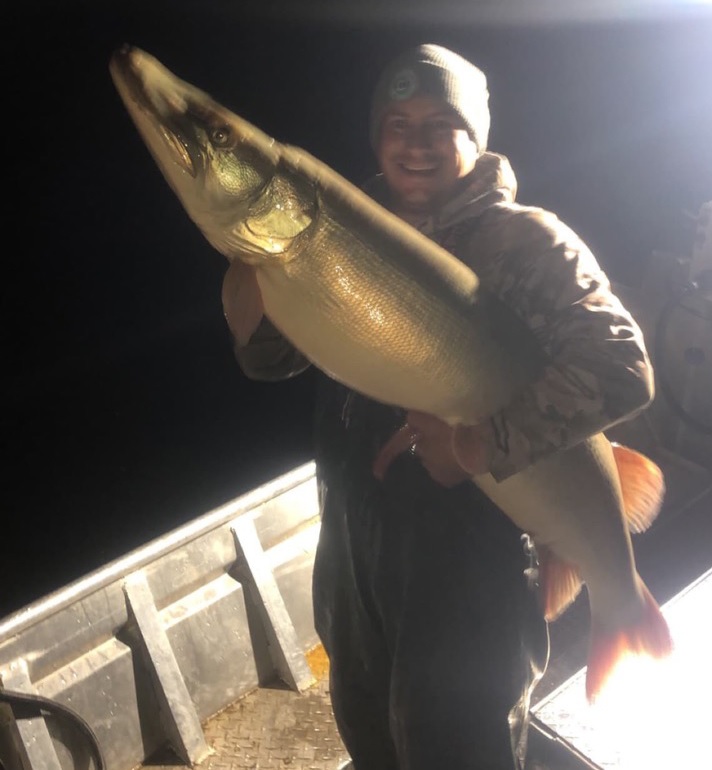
(223, 169)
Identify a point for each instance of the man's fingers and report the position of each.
(472, 447)
(401, 441)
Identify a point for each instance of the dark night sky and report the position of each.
(125, 413)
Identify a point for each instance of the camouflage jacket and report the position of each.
(598, 371)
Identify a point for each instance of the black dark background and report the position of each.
(125, 414)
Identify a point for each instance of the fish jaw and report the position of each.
(222, 168)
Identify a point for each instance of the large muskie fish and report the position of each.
(381, 308)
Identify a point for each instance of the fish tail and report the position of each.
(649, 635)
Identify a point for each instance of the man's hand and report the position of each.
(450, 455)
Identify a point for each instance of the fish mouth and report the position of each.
(158, 108)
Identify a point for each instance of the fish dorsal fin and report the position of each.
(642, 485)
(242, 301)
(559, 583)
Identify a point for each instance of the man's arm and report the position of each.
(261, 350)
(598, 371)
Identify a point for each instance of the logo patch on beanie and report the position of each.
(403, 85)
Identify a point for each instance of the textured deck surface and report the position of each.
(274, 728)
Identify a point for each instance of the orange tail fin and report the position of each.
(649, 636)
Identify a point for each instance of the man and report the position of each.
(433, 632)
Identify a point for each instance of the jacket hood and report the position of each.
(491, 181)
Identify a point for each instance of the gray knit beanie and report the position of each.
(435, 71)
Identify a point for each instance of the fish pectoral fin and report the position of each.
(649, 635)
(559, 583)
(242, 301)
(642, 485)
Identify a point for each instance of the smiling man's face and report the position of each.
(423, 150)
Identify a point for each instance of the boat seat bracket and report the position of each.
(286, 654)
(181, 719)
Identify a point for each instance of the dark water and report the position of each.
(125, 414)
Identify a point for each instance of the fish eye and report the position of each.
(221, 136)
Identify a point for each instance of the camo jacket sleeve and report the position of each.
(268, 356)
(597, 373)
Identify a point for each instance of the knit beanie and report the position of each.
(435, 71)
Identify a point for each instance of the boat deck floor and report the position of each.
(273, 728)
